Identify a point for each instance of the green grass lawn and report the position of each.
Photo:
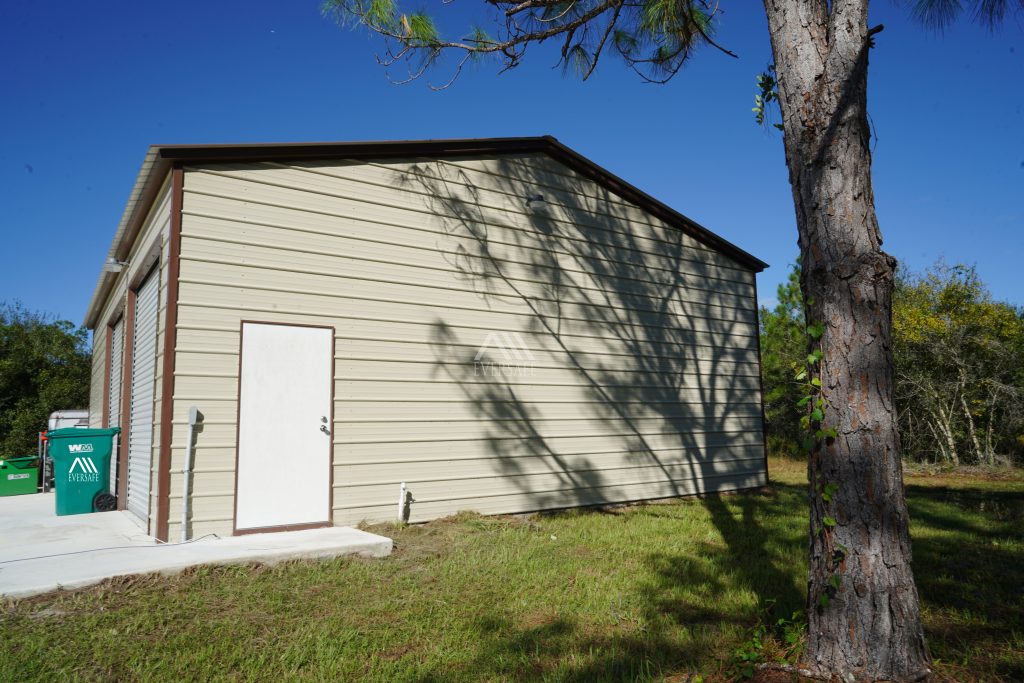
(636, 593)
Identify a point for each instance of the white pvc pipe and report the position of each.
(193, 417)
(401, 503)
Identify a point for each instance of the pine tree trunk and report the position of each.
(863, 614)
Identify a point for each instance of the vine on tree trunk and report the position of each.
(807, 374)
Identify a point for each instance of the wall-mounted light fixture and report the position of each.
(112, 265)
(535, 202)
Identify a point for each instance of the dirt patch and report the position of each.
(769, 676)
(395, 653)
(539, 619)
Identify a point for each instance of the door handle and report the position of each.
(325, 430)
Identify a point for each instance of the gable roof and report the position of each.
(161, 158)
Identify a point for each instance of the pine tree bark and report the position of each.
(863, 612)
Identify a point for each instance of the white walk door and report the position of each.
(140, 423)
(284, 426)
(114, 392)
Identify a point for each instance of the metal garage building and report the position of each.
(500, 324)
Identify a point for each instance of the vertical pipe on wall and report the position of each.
(402, 494)
(186, 472)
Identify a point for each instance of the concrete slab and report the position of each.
(30, 527)
(40, 552)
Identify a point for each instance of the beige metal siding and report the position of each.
(114, 385)
(149, 249)
(622, 360)
(97, 376)
(114, 374)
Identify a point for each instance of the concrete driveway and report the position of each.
(41, 552)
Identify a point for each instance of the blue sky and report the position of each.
(86, 88)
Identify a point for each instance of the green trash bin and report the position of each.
(19, 475)
(81, 467)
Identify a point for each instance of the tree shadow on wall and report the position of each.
(666, 364)
(625, 364)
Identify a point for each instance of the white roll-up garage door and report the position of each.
(114, 391)
(140, 427)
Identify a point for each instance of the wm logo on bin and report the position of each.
(86, 464)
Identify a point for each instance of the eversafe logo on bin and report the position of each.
(86, 469)
(515, 358)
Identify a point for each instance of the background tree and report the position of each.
(44, 366)
(959, 368)
(783, 345)
(958, 359)
(863, 613)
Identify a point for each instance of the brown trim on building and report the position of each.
(760, 375)
(286, 527)
(126, 399)
(235, 531)
(163, 479)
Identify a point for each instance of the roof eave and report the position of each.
(160, 158)
(147, 184)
